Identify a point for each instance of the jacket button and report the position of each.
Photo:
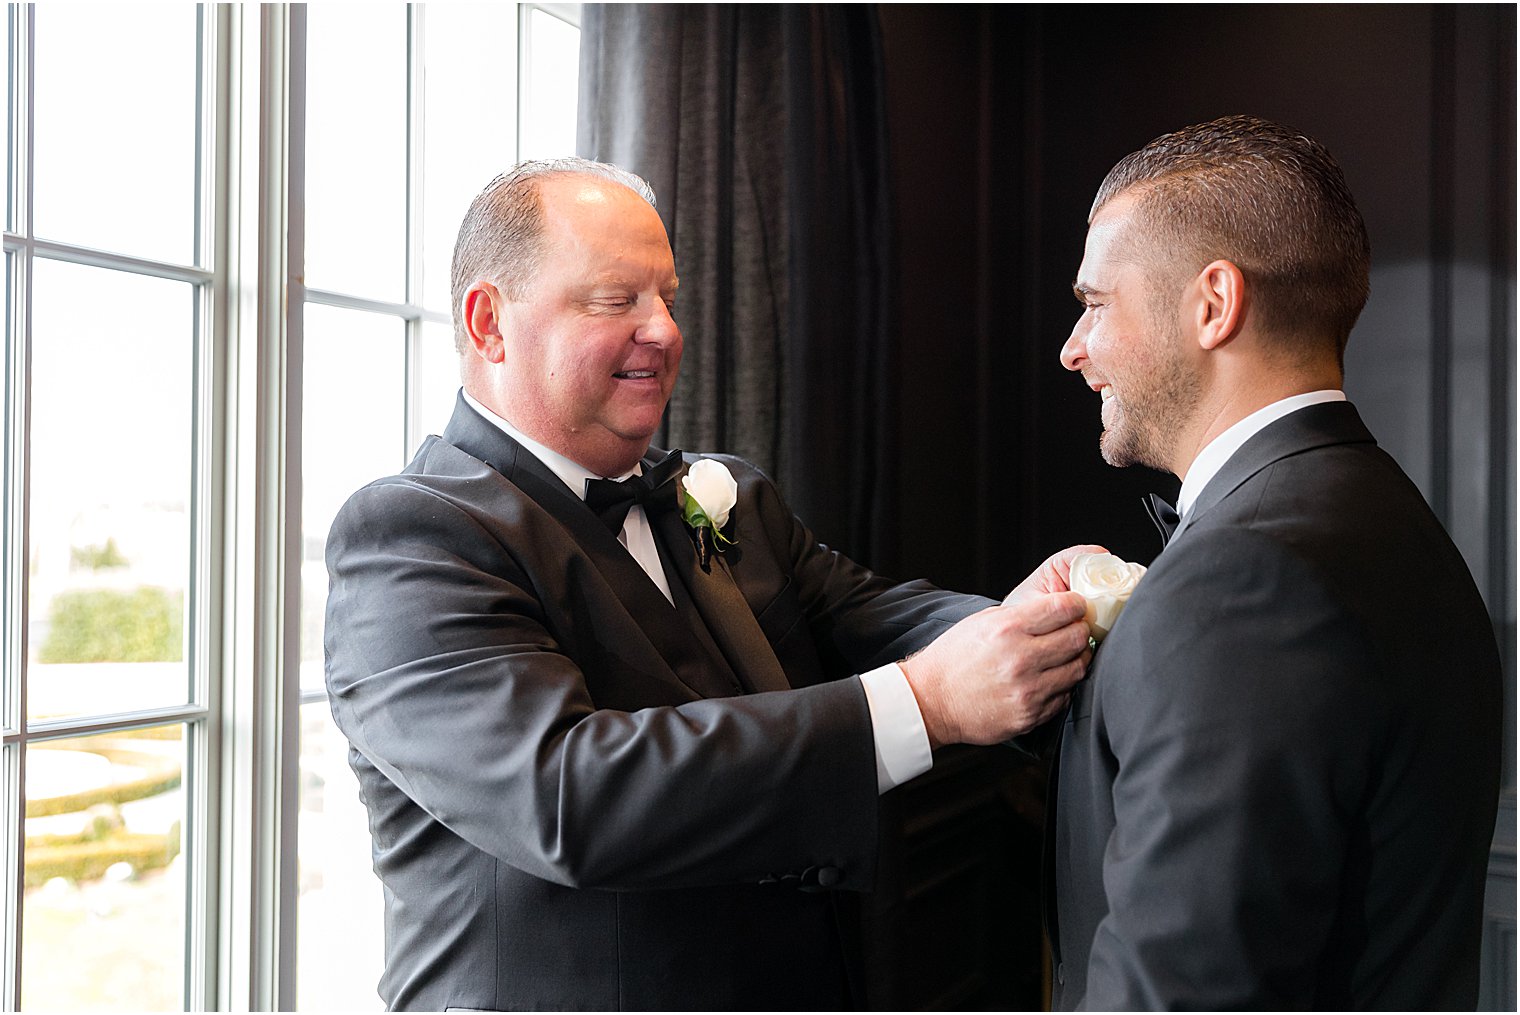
(1061, 973)
(817, 879)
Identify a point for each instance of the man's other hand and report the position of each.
(1052, 576)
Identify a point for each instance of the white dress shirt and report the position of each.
(897, 725)
(1222, 448)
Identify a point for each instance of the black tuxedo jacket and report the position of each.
(582, 797)
(1276, 790)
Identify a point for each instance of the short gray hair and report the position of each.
(500, 239)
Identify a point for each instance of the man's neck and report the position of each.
(618, 468)
(1213, 456)
(1226, 407)
(618, 459)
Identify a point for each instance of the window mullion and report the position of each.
(416, 127)
(21, 40)
(209, 595)
(415, 53)
(75, 254)
(344, 300)
(259, 653)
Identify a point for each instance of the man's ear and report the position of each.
(1220, 307)
(483, 311)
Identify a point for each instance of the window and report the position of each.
(179, 828)
(106, 669)
(409, 114)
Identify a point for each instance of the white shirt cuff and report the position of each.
(902, 744)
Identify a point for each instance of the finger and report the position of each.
(1052, 708)
(1065, 677)
(1057, 651)
(1026, 660)
(1047, 613)
(1061, 562)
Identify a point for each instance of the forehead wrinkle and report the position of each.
(624, 281)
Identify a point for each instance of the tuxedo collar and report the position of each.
(478, 437)
(1315, 426)
(1222, 448)
(572, 473)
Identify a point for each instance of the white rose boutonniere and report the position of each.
(708, 495)
(1105, 582)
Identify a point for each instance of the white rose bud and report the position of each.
(1105, 582)
(710, 485)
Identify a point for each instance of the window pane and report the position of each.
(104, 913)
(12, 40)
(468, 84)
(353, 430)
(341, 907)
(109, 557)
(437, 380)
(356, 150)
(115, 127)
(553, 82)
(9, 700)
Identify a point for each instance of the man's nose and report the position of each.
(1074, 352)
(660, 326)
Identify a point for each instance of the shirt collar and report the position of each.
(570, 473)
(1222, 448)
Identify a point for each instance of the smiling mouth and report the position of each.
(634, 375)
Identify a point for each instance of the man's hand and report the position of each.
(1000, 672)
(1052, 576)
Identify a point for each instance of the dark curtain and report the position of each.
(762, 131)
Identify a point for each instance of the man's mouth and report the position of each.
(1106, 392)
(634, 375)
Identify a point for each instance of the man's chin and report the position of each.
(1118, 451)
(1122, 453)
(638, 430)
(1113, 450)
(639, 436)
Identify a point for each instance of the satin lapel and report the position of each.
(1313, 427)
(722, 606)
(671, 636)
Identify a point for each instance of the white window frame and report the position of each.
(198, 716)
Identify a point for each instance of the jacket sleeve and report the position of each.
(444, 674)
(1239, 716)
(859, 619)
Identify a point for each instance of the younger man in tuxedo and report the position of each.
(612, 761)
(1277, 787)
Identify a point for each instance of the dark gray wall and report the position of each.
(1003, 122)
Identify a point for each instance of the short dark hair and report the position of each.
(500, 237)
(1268, 199)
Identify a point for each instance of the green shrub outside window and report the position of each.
(140, 625)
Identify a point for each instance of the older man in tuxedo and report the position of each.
(619, 738)
(1277, 787)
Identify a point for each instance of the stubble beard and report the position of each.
(1158, 402)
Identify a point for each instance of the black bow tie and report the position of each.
(610, 499)
(1163, 514)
